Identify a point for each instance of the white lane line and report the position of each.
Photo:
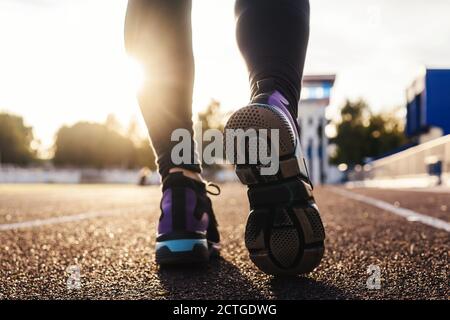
(406, 213)
(429, 190)
(61, 219)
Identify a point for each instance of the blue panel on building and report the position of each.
(430, 107)
(438, 99)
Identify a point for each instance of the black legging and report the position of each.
(272, 36)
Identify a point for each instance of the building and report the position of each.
(426, 161)
(314, 100)
(428, 106)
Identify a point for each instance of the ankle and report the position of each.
(188, 173)
(278, 91)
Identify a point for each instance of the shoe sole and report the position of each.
(184, 251)
(284, 233)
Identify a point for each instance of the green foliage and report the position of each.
(212, 117)
(361, 134)
(99, 146)
(15, 140)
(145, 157)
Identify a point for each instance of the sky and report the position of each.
(62, 61)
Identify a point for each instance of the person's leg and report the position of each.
(158, 34)
(284, 233)
(273, 36)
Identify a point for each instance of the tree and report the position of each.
(361, 134)
(112, 123)
(92, 145)
(15, 140)
(212, 117)
(385, 134)
(145, 157)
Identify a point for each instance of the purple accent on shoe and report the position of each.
(203, 223)
(190, 202)
(277, 99)
(192, 223)
(165, 224)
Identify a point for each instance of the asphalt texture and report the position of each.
(108, 232)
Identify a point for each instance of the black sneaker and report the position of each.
(187, 229)
(284, 233)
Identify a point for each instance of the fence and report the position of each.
(427, 164)
(11, 174)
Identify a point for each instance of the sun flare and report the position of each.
(134, 73)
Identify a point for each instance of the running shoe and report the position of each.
(187, 229)
(284, 233)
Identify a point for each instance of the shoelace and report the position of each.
(210, 184)
(210, 212)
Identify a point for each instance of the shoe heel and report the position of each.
(182, 251)
(284, 233)
(285, 240)
(260, 116)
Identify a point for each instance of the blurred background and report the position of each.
(375, 106)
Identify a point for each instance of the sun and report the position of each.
(134, 73)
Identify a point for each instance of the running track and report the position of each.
(108, 232)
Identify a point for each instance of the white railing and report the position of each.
(422, 165)
(12, 174)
